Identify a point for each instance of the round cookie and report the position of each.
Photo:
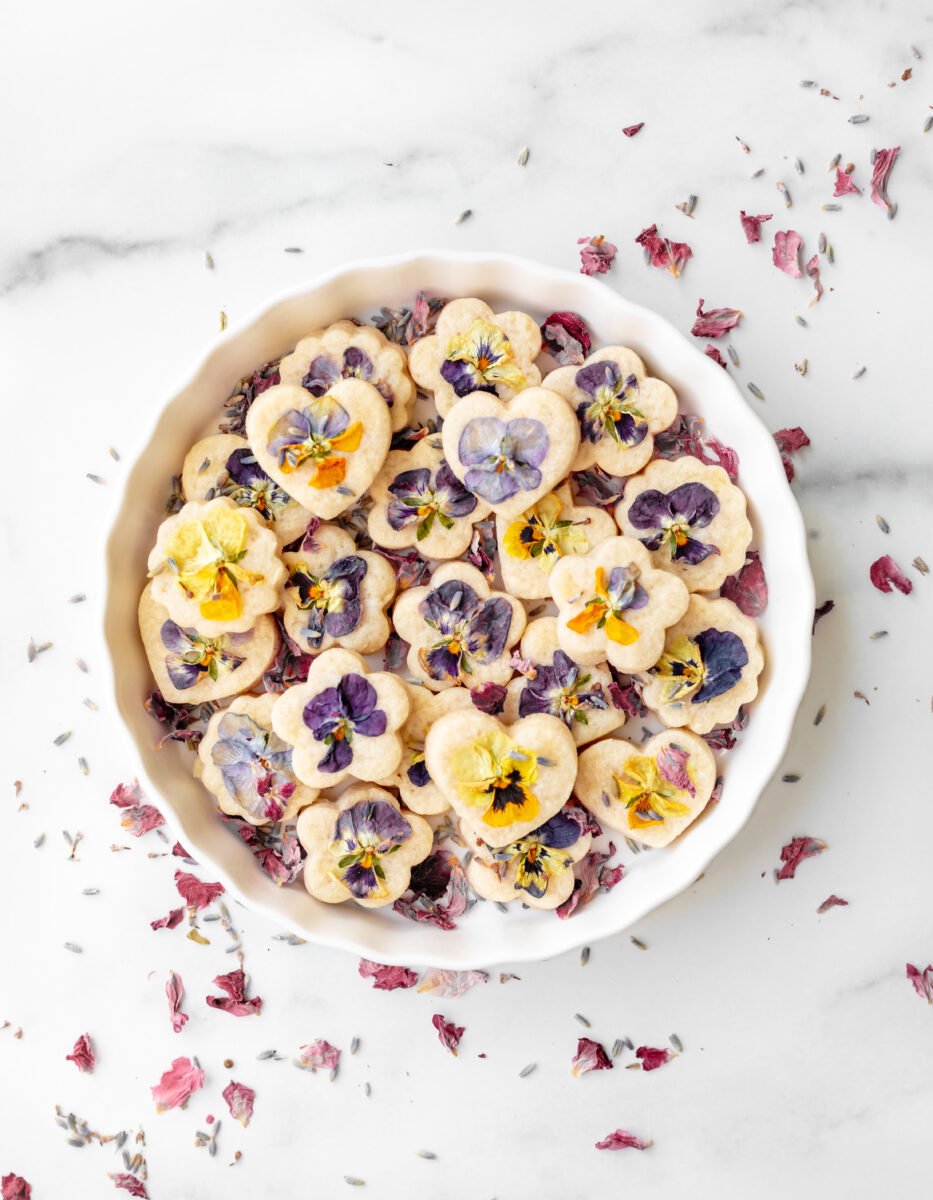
(474, 349)
(538, 868)
(612, 604)
(710, 666)
(650, 793)
(417, 789)
(691, 517)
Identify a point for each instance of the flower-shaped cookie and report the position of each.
(325, 450)
(691, 517)
(619, 407)
(362, 847)
(502, 782)
(343, 721)
(247, 767)
(347, 351)
(458, 630)
(337, 595)
(224, 465)
(418, 791)
(531, 543)
(474, 349)
(579, 696)
(418, 501)
(651, 793)
(190, 667)
(511, 455)
(538, 868)
(216, 567)
(710, 666)
(613, 604)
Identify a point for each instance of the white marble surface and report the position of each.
(134, 140)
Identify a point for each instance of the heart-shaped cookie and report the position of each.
(510, 455)
(326, 450)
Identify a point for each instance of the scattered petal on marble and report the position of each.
(138, 817)
(884, 572)
(170, 921)
(590, 1056)
(597, 255)
(845, 185)
(451, 984)
(621, 1139)
(175, 990)
(177, 1084)
(833, 901)
(662, 252)
(786, 252)
(652, 1057)
(240, 1099)
(235, 1002)
(15, 1187)
(715, 321)
(715, 355)
(813, 272)
(748, 588)
(884, 161)
(130, 1183)
(631, 130)
(83, 1054)
(386, 978)
(922, 981)
(196, 894)
(796, 850)
(448, 1033)
(752, 225)
(319, 1055)
(788, 441)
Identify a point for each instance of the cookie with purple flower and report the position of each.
(614, 605)
(348, 351)
(691, 517)
(709, 668)
(536, 869)
(652, 792)
(457, 629)
(415, 786)
(336, 595)
(190, 667)
(474, 349)
(619, 406)
(343, 722)
(418, 501)
(248, 767)
(511, 456)
(578, 695)
(362, 847)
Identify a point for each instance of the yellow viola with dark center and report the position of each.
(497, 776)
(649, 798)
(205, 556)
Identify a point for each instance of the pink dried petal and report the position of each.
(787, 245)
(590, 1056)
(235, 1002)
(130, 1183)
(524, 666)
(196, 894)
(14, 1187)
(566, 337)
(170, 921)
(796, 850)
(884, 161)
(387, 979)
(715, 322)
(662, 252)
(240, 1099)
(748, 589)
(127, 795)
(177, 1085)
(631, 130)
(752, 225)
(621, 1139)
(652, 1057)
(884, 571)
(438, 893)
(845, 185)
(715, 355)
(178, 851)
(83, 1054)
(319, 1054)
(594, 875)
(627, 699)
(922, 982)
(788, 441)
(597, 255)
(451, 984)
(138, 818)
(813, 271)
(449, 1033)
(489, 697)
(832, 902)
(175, 990)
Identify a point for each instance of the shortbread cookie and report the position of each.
(531, 543)
(326, 450)
(248, 767)
(418, 501)
(343, 722)
(613, 604)
(336, 595)
(190, 667)
(362, 847)
(502, 782)
(510, 455)
(347, 351)
(458, 630)
(692, 519)
(710, 666)
(650, 793)
(619, 408)
(224, 465)
(216, 567)
(538, 868)
(474, 349)
(417, 789)
(578, 695)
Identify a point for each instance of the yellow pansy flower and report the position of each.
(479, 359)
(648, 796)
(495, 774)
(205, 555)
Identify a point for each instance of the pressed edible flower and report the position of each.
(560, 688)
(363, 835)
(255, 765)
(612, 410)
(481, 359)
(417, 499)
(539, 856)
(248, 485)
(338, 714)
(502, 457)
(543, 535)
(496, 775)
(614, 596)
(597, 255)
(205, 555)
(331, 599)
(673, 516)
(470, 631)
(321, 433)
(649, 788)
(701, 668)
(191, 655)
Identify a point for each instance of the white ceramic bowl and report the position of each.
(485, 935)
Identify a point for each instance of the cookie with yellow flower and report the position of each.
(324, 451)
(215, 567)
(474, 349)
(613, 604)
(531, 543)
(651, 793)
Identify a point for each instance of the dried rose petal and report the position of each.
(14, 1187)
(922, 981)
(884, 571)
(832, 902)
(235, 1002)
(621, 1139)
(789, 440)
(752, 225)
(813, 271)
(483, 548)
(723, 736)
(748, 589)
(845, 185)
(590, 1056)
(170, 921)
(451, 984)
(662, 252)
(715, 322)
(884, 161)
(387, 979)
(177, 1084)
(138, 818)
(319, 1054)
(83, 1054)
(410, 568)
(595, 486)
(175, 990)
(595, 875)
(631, 130)
(239, 1100)
(130, 1183)
(178, 851)
(652, 1057)
(822, 610)
(786, 250)
(715, 355)
(276, 848)
(489, 697)
(596, 256)
(685, 436)
(438, 892)
(566, 337)
(627, 699)
(196, 894)
(449, 1033)
(796, 850)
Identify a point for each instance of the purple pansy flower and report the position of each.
(503, 457)
(255, 765)
(337, 714)
(332, 599)
(363, 834)
(472, 631)
(190, 655)
(248, 485)
(560, 689)
(308, 432)
(325, 370)
(417, 771)
(414, 498)
(672, 516)
(539, 854)
(612, 410)
(701, 668)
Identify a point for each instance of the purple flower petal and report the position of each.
(323, 372)
(494, 486)
(338, 757)
(488, 630)
(448, 604)
(724, 655)
(594, 376)
(480, 440)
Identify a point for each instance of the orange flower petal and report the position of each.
(329, 473)
(349, 440)
(620, 631)
(226, 603)
(584, 621)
